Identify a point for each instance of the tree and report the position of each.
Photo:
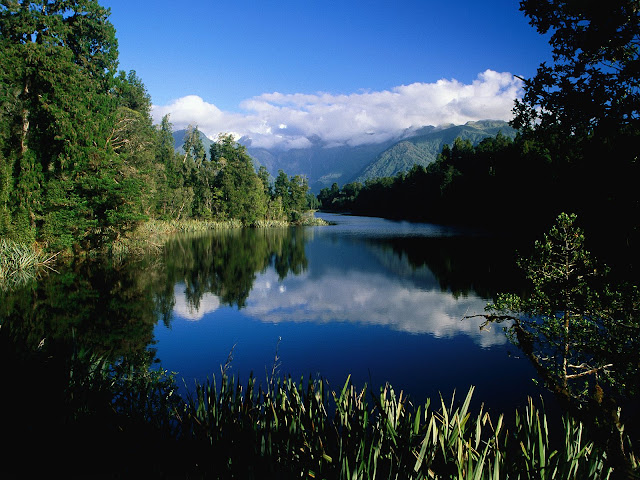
(193, 146)
(133, 137)
(239, 189)
(562, 312)
(298, 187)
(263, 174)
(69, 185)
(174, 198)
(584, 108)
(594, 81)
(579, 332)
(281, 190)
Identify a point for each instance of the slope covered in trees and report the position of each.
(423, 147)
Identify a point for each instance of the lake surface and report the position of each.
(379, 300)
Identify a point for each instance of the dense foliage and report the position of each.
(81, 163)
(461, 186)
(579, 329)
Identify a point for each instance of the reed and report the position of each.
(283, 428)
(150, 236)
(20, 263)
(271, 224)
(289, 429)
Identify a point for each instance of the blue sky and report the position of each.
(288, 68)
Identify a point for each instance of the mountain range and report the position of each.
(324, 165)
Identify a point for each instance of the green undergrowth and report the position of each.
(288, 429)
(151, 235)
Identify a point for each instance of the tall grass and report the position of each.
(20, 263)
(289, 429)
(150, 236)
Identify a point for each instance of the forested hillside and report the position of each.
(423, 148)
(81, 163)
(324, 165)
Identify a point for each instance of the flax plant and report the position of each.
(288, 429)
(20, 263)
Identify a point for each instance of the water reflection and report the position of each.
(351, 299)
(225, 263)
(354, 299)
(348, 273)
(369, 299)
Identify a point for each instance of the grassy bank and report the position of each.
(151, 235)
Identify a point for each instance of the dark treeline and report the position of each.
(81, 163)
(459, 187)
(503, 184)
(577, 148)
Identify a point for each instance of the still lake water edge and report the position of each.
(380, 300)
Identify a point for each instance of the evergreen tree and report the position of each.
(239, 191)
(69, 186)
(281, 190)
(584, 108)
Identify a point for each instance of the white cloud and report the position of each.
(289, 120)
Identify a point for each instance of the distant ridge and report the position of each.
(320, 164)
(424, 148)
(324, 165)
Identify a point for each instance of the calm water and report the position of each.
(381, 301)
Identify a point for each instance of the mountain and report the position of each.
(423, 147)
(323, 165)
(178, 138)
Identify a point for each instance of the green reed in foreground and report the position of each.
(289, 429)
(281, 428)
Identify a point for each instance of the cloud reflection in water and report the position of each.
(367, 298)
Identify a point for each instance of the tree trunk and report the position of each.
(25, 119)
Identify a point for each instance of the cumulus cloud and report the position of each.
(292, 120)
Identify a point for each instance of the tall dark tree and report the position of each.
(584, 108)
(594, 80)
(69, 185)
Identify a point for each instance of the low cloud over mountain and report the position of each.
(293, 121)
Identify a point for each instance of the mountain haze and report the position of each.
(324, 165)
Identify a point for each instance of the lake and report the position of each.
(378, 300)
